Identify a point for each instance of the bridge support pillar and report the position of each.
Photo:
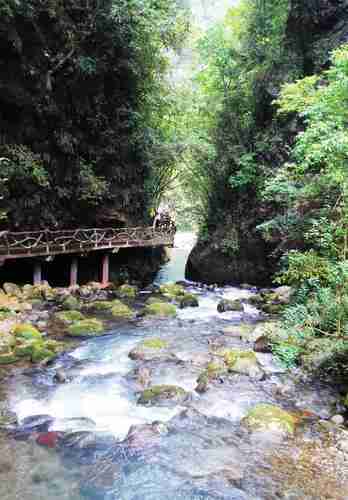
(105, 269)
(37, 275)
(74, 268)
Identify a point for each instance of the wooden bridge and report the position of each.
(46, 243)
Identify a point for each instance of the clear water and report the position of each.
(198, 449)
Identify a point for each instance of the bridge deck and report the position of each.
(44, 243)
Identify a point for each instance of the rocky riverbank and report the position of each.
(170, 382)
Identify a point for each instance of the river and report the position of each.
(107, 446)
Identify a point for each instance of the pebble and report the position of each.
(337, 419)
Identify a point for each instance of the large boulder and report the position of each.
(209, 262)
(159, 395)
(270, 418)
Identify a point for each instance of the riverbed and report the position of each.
(89, 438)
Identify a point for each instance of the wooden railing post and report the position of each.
(74, 271)
(37, 276)
(105, 269)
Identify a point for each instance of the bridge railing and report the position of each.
(46, 242)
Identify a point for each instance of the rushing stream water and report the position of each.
(109, 447)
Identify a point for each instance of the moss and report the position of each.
(24, 349)
(269, 417)
(71, 303)
(212, 371)
(187, 300)
(161, 392)
(233, 356)
(120, 310)
(69, 316)
(160, 309)
(27, 331)
(100, 305)
(154, 344)
(86, 328)
(8, 358)
(41, 353)
(157, 299)
(172, 290)
(127, 291)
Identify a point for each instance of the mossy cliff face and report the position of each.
(232, 248)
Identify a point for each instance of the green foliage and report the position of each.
(93, 115)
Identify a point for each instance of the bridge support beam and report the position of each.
(74, 269)
(105, 270)
(37, 275)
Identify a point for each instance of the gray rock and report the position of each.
(337, 419)
(230, 305)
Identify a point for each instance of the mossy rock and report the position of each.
(71, 303)
(127, 291)
(267, 329)
(256, 300)
(244, 363)
(24, 349)
(54, 345)
(267, 417)
(12, 289)
(27, 331)
(8, 358)
(226, 305)
(172, 290)
(160, 309)
(212, 372)
(154, 349)
(155, 344)
(121, 310)
(68, 317)
(187, 300)
(41, 353)
(161, 394)
(273, 309)
(158, 299)
(99, 305)
(345, 402)
(86, 328)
